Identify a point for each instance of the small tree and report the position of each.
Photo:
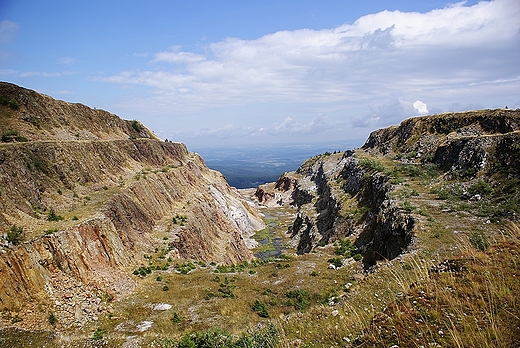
(52, 216)
(260, 308)
(14, 234)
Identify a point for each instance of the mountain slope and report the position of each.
(86, 196)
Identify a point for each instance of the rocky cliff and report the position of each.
(355, 194)
(85, 196)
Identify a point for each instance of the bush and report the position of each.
(12, 135)
(51, 231)
(300, 298)
(137, 126)
(345, 248)
(371, 165)
(337, 262)
(52, 216)
(260, 308)
(98, 334)
(52, 318)
(226, 288)
(176, 319)
(481, 187)
(13, 104)
(14, 234)
(408, 207)
(187, 342)
(266, 337)
(185, 268)
(142, 271)
(213, 338)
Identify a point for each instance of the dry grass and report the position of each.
(472, 304)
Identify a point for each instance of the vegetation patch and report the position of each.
(14, 234)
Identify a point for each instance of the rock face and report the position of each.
(458, 142)
(348, 195)
(341, 199)
(93, 194)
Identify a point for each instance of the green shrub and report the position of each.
(260, 308)
(187, 342)
(51, 231)
(357, 257)
(165, 288)
(300, 298)
(213, 338)
(14, 105)
(176, 319)
(408, 207)
(52, 216)
(371, 165)
(98, 334)
(137, 126)
(4, 100)
(185, 268)
(226, 288)
(481, 187)
(52, 318)
(336, 261)
(345, 248)
(12, 135)
(14, 234)
(142, 271)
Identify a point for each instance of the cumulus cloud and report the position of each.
(331, 64)
(395, 64)
(421, 107)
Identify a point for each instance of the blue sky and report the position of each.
(221, 73)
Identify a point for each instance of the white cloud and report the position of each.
(318, 124)
(390, 112)
(67, 60)
(381, 62)
(421, 107)
(46, 74)
(8, 30)
(386, 50)
(8, 72)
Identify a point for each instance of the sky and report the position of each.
(229, 73)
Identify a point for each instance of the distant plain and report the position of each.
(252, 165)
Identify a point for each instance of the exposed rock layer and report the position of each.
(117, 188)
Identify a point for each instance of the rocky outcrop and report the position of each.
(92, 206)
(343, 199)
(458, 142)
(347, 197)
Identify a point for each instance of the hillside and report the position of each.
(114, 238)
(86, 196)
